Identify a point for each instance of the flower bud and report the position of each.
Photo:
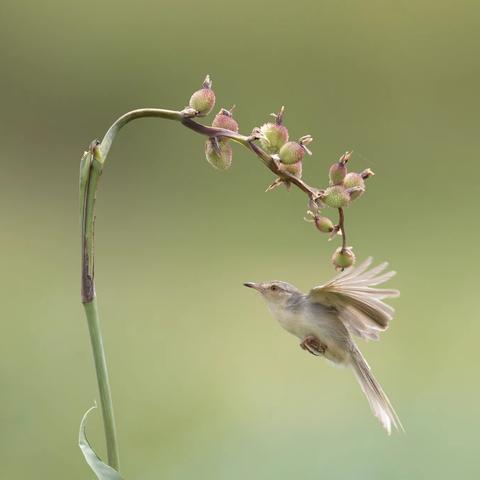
(224, 119)
(336, 197)
(343, 258)
(324, 224)
(203, 100)
(218, 153)
(275, 135)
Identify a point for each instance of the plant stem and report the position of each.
(341, 223)
(91, 311)
(90, 171)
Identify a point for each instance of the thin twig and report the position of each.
(341, 224)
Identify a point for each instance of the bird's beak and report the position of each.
(256, 286)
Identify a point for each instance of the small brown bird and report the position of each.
(326, 318)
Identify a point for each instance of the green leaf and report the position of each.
(101, 470)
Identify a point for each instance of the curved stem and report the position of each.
(185, 117)
(133, 115)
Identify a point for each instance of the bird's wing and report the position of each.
(359, 305)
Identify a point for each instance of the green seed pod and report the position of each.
(291, 152)
(224, 119)
(275, 135)
(336, 197)
(294, 169)
(203, 100)
(343, 258)
(219, 154)
(337, 173)
(353, 180)
(324, 224)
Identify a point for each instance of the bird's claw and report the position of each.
(313, 345)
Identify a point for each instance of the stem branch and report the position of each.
(341, 224)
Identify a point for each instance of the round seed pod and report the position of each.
(224, 119)
(294, 169)
(343, 258)
(203, 100)
(353, 180)
(337, 173)
(324, 224)
(291, 152)
(219, 157)
(336, 197)
(275, 136)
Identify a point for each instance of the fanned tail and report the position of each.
(358, 299)
(377, 398)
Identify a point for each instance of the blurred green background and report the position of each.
(205, 384)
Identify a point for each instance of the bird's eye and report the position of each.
(273, 288)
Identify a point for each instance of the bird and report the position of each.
(328, 317)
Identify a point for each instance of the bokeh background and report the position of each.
(205, 384)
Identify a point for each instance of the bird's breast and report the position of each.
(319, 322)
(292, 321)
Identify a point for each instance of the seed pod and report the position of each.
(324, 224)
(224, 119)
(294, 169)
(275, 135)
(336, 197)
(353, 180)
(203, 100)
(337, 173)
(338, 170)
(343, 258)
(218, 153)
(291, 152)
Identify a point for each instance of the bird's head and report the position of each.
(275, 292)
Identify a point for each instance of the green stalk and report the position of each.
(90, 171)
(91, 311)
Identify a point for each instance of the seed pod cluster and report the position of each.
(274, 140)
(218, 150)
(343, 188)
(285, 157)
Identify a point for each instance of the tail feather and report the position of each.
(358, 300)
(377, 398)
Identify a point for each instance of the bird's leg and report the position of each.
(313, 345)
